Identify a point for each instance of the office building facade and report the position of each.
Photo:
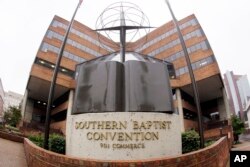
(238, 91)
(162, 43)
(1, 99)
(12, 99)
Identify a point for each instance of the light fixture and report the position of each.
(204, 63)
(64, 70)
(42, 62)
(38, 102)
(53, 66)
(44, 103)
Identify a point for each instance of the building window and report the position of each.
(56, 23)
(47, 47)
(165, 47)
(52, 66)
(192, 22)
(203, 45)
(196, 33)
(196, 65)
(51, 34)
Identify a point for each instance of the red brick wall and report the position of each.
(217, 133)
(216, 155)
(11, 137)
(61, 126)
(189, 124)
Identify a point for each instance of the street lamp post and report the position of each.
(193, 82)
(53, 82)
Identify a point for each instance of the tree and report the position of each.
(238, 127)
(13, 115)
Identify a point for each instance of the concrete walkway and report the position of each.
(12, 154)
(244, 144)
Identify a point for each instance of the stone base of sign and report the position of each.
(123, 135)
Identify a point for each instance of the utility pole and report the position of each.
(191, 73)
(53, 82)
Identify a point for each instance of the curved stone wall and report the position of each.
(214, 155)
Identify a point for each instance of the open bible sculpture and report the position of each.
(105, 85)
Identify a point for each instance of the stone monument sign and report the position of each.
(123, 110)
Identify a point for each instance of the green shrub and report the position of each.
(238, 128)
(190, 141)
(238, 125)
(37, 140)
(209, 142)
(57, 143)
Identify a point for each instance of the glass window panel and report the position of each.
(71, 56)
(56, 49)
(70, 41)
(167, 59)
(49, 34)
(54, 23)
(173, 57)
(178, 55)
(182, 71)
(188, 36)
(193, 22)
(204, 46)
(178, 41)
(182, 53)
(209, 60)
(175, 42)
(198, 46)
(65, 53)
(43, 47)
(73, 43)
(207, 43)
(192, 49)
(198, 64)
(198, 33)
(193, 66)
(203, 62)
(177, 73)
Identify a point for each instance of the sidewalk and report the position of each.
(244, 143)
(12, 154)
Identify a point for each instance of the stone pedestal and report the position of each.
(123, 135)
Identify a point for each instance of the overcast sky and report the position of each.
(226, 24)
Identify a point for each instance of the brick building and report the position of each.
(1, 100)
(162, 43)
(12, 99)
(238, 91)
